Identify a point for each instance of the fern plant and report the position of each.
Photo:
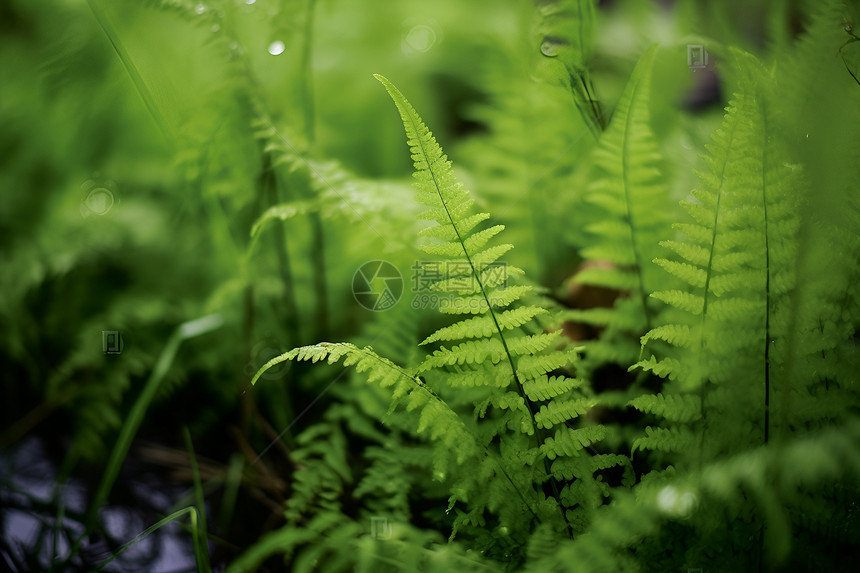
(724, 260)
(469, 439)
(735, 379)
(631, 195)
(526, 434)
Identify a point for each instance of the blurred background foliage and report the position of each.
(192, 119)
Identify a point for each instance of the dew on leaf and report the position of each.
(549, 48)
(276, 48)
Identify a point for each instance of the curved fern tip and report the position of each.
(389, 87)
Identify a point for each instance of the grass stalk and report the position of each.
(193, 517)
(185, 331)
(201, 547)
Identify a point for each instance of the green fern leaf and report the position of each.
(672, 439)
(501, 350)
(673, 407)
(483, 326)
(545, 388)
(632, 199)
(721, 344)
(569, 442)
(406, 391)
(558, 411)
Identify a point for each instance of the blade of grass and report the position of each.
(139, 84)
(191, 511)
(135, 417)
(201, 541)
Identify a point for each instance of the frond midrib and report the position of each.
(627, 185)
(475, 273)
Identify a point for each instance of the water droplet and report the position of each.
(249, 2)
(276, 48)
(215, 27)
(200, 8)
(549, 49)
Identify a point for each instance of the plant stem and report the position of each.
(317, 230)
(268, 184)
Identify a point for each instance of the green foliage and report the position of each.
(631, 194)
(726, 263)
(567, 27)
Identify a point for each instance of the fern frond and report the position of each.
(491, 352)
(406, 390)
(671, 439)
(547, 387)
(483, 326)
(482, 303)
(569, 442)
(631, 196)
(729, 316)
(533, 367)
(673, 407)
(820, 116)
(559, 411)
(319, 483)
(678, 335)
